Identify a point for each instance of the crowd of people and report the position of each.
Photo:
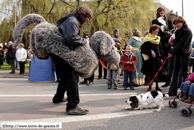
(141, 58)
(16, 57)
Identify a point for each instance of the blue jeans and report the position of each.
(125, 82)
(187, 88)
(181, 62)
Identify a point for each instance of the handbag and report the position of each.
(145, 56)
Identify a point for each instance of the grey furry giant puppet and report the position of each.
(46, 38)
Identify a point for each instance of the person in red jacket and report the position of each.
(129, 60)
(187, 88)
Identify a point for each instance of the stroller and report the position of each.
(185, 111)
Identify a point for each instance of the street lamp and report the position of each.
(15, 12)
(182, 9)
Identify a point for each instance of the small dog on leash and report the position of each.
(143, 100)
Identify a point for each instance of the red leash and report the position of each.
(156, 74)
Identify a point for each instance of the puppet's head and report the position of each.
(104, 46)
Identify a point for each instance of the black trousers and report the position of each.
(181, 63)
(68, 82)
(90, 79)
(100, 71)
(22, 67)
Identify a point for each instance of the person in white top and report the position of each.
(21, 56)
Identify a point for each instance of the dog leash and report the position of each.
(156, 74)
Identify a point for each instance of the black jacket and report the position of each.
(182, 42)
(163, 35)
(70, 29)
(11, 52)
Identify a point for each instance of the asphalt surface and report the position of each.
(21, 101)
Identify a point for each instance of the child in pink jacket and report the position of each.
(187, 89)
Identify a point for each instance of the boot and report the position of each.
(150, 88)
(185, 97)
(189, 100)
(158, 89)
(166, 84)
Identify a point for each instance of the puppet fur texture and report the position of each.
(46, 38)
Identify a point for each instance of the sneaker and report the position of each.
(77, 111)
(12, 73)
(109, 87)
(84, 82)
(119, 82)
(115, 87)
(89, 83)
(57, 101)
(165, 85)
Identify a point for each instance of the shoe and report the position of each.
(109, 87)
(119, 82)
(121, 74)
(189, 100)
(172, 94)
(185, 97)
(12, 73)
(125, 88)
(105, 78)
(132, 88)
(99, 78)
(115, 87)
(157, 88)
(165, 85)
(77, 111)
(84, 82)
(57, 101)
(91, 83)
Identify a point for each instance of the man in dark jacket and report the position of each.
(181, 52)
(69, 26)
(11, 55)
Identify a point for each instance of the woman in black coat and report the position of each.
(166, 27)
(164, 31)
(151, 54)
(181, 52)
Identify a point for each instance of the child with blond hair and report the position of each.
(129, 60)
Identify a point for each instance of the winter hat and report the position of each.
(115, 31)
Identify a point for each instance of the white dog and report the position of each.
(143, 100)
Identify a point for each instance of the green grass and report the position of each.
(8, 67)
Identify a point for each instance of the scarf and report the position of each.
(151, 38)
(129, 55)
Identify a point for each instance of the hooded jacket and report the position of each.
(70, 29)
(128, 67)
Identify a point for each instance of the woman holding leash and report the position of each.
(181, 52)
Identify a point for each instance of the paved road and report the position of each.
(21, 101)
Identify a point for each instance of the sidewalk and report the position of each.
(5, 74)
